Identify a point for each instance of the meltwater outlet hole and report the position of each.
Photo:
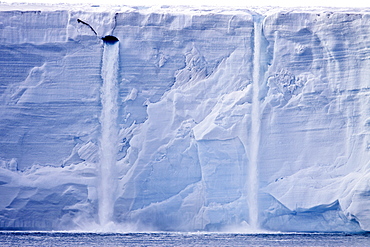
(110, 39)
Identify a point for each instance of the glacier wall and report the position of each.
(217, 120)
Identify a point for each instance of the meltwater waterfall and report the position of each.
(255, 131)
(109, 130)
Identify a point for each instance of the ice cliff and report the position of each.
(195, 119)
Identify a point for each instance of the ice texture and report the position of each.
(215, 119)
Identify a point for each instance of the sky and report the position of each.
(282, 3)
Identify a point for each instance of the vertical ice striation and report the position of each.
(255, 129)
(109, 129)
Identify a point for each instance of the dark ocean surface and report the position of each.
(181, 239)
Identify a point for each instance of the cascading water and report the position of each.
(255, 131)
(109, 129)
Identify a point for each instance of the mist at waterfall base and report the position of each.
(184, 119)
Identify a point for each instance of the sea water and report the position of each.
(181, 239)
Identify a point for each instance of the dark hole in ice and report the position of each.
(109, 39)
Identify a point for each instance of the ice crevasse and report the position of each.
(194, 119)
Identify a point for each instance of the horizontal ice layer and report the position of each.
(195, 136)
(315, 117)
(19, 27)
(185, 113)
(173, 165)
(48, 198)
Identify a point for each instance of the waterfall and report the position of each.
(109, 130)
(255, 131)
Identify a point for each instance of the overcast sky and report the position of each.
(282, 3)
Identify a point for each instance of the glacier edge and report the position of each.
(185, 105)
